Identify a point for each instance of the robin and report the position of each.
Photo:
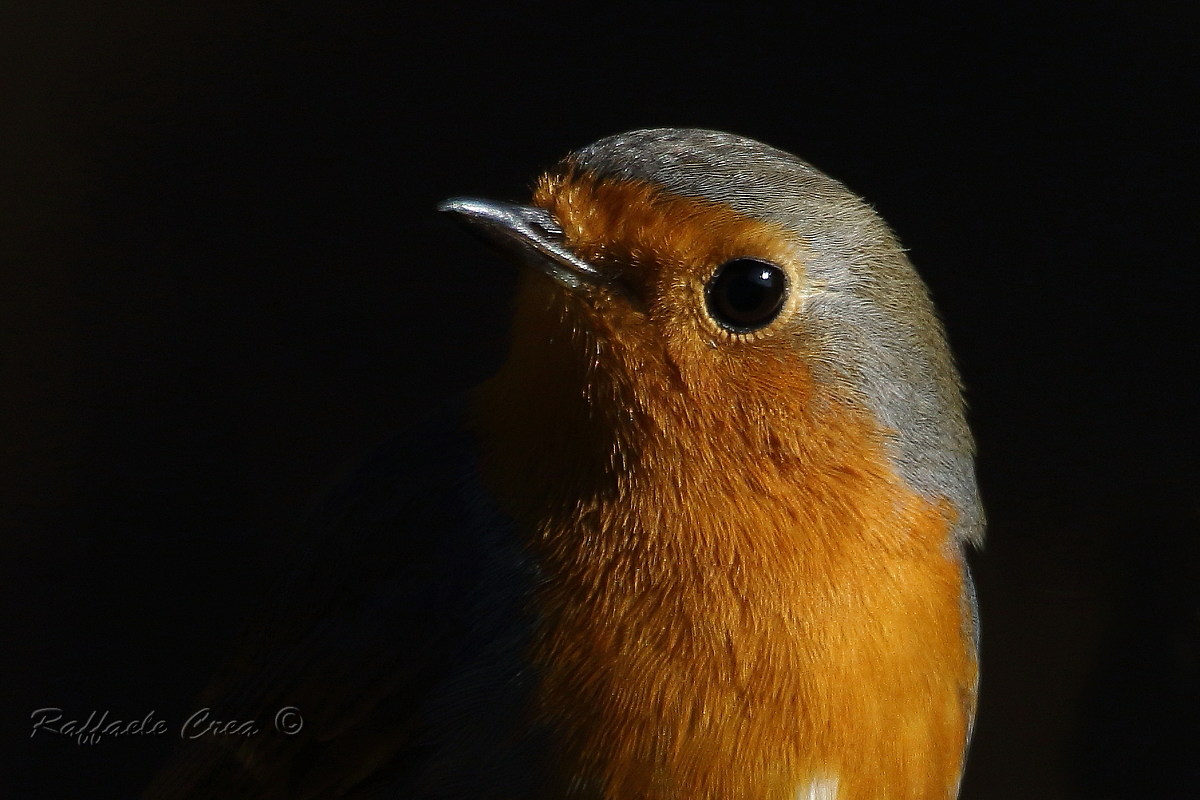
(700, 537)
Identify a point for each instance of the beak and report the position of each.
(532, 234)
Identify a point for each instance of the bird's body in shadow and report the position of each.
(700, 537)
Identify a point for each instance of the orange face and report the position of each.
(662, 251)
(742, 599)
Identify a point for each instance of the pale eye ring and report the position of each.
(746, 294)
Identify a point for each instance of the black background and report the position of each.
(224, 280)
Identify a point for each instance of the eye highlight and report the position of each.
(745, 294)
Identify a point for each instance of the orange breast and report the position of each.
(718, 625)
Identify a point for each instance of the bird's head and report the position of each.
(706, 290)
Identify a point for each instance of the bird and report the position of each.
(702, 535)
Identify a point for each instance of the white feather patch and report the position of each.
(818, 789)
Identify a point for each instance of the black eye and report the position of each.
(745, 294)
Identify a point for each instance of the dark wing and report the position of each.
(380, 610)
